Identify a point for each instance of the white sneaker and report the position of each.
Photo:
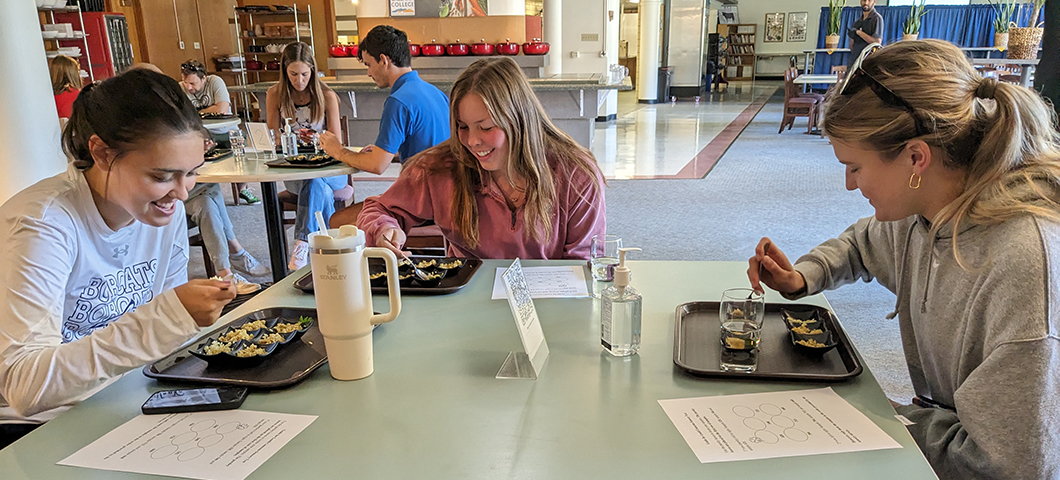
(299, 255)
(243, 285)
(246, 263)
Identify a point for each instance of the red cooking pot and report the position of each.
(457, 49)
(536, 47)
(432, 49)
(482, 48)
(508, 48)
(351, 50)
(255, 65)
(414, 50)
(337, 50)
(272, 65)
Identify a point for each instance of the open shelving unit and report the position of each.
(252, 37)
(739, 50)
(51, 45)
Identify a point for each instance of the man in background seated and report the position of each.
(207, 92)
(210, 95)
(415, 115)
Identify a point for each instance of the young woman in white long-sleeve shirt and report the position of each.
(95, 259)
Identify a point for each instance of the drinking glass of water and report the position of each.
(238, 144)
(603, 258)
(741, 313)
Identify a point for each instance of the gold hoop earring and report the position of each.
(917, 177)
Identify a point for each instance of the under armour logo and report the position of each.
(121, 251)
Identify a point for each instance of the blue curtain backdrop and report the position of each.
(962, 25)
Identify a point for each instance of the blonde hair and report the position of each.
(533, 141)
(300, 52)
(1003, 136)
(66, 74)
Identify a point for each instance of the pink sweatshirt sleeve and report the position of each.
(406, 204)
(586, 213)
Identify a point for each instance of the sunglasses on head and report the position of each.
(858, 79)
(191, 67)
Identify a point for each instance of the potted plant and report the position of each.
(1003, 10)
(835, 17)
(1023, 41)
(912, 23)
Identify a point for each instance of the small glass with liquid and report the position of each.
(741, 314)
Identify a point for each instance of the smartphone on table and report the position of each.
(194, 400)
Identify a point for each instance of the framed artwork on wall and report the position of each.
(797, 26)
(774, 27)
(728, 14)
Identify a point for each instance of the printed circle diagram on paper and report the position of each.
(770, 424)
(193, 443)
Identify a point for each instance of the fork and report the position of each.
(420, 274)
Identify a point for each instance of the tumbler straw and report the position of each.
(320, 224)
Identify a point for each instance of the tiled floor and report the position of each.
(668, 140)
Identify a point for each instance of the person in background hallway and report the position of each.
(866, 30)
(312, 108)
(415, 115)
(95, 265)
(506, 184)
(66, 83)
(964, 174)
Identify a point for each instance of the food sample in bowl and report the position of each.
(426, 263)
(809, 342)
(286, 327)
(270, 338)
(252, 326)
(449, 264)
(803, 329)
(251, 350)
(217, 347)
(236, 335)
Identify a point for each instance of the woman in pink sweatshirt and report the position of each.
(506, 184)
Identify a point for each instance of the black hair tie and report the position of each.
(986, 89)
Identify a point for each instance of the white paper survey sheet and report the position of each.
(222, 445)
(547, 282)
(776, 424)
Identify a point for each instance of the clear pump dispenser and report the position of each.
(289, 140)
(620, 311)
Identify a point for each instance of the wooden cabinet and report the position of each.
(168, 33)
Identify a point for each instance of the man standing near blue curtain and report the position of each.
(868, 29)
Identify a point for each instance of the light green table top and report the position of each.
(433, 408)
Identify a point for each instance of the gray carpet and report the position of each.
(789, 187)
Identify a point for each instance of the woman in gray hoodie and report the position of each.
(964, 175)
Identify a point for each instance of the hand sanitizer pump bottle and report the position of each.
(620, 312)
(288, 140)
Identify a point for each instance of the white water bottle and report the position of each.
(344, 298)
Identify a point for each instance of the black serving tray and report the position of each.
(216, 153)
(453, 281)
(697, 347)
(302, 148)
(283, 163)
(283, 367)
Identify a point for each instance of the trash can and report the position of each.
(666, 75)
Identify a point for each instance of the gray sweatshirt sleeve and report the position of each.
(1009, 425)
(865, 251)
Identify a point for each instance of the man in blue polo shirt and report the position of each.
(415, 115)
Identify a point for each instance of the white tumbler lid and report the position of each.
(345, 237)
